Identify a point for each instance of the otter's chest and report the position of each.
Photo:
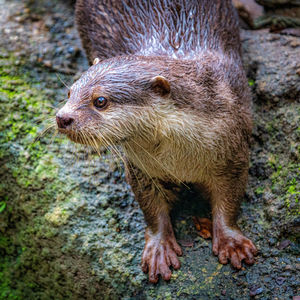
(176, 164)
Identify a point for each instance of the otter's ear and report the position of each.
(96, 60)
(160, 85)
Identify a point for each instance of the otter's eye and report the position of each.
(100, 102)
(69, 93)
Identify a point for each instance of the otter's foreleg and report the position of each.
(161, 249)
(228, 241)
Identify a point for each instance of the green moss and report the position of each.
(251, 82)
(293, 192)
(259, 190)
(39, 202)
(272, 160)
(2, 206)
(6, 292)
(281, 181)
(31, 181)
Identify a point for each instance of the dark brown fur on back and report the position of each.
(157, 27)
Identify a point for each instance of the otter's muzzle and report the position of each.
(63, 120)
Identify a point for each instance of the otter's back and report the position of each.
(176, 28)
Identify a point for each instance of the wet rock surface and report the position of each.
(69, 226)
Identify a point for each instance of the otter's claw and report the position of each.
(233, 246)
(159, 255)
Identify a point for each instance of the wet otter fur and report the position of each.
(169, 88)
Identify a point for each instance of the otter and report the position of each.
(167, 85)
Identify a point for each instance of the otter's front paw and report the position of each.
(159, 254)
(231, 244)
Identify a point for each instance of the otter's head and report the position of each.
(114, 101)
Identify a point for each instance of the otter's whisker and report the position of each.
(110, 145)
(117, 152)
(134, 173)
(84, 138)
(62, 81)
(161, 165)
(42, 120)
(107, 146)
(52, 138)
(146, 171)
(41, 134)
(95, 145)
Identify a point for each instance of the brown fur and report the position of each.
(178, 105)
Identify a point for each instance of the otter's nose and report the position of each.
(64, 121)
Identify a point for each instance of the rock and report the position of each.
(284, 244)
(272, 241)
(248, 11)
(276, 3)
(255, 290)
(274, 65)
(280, 280)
